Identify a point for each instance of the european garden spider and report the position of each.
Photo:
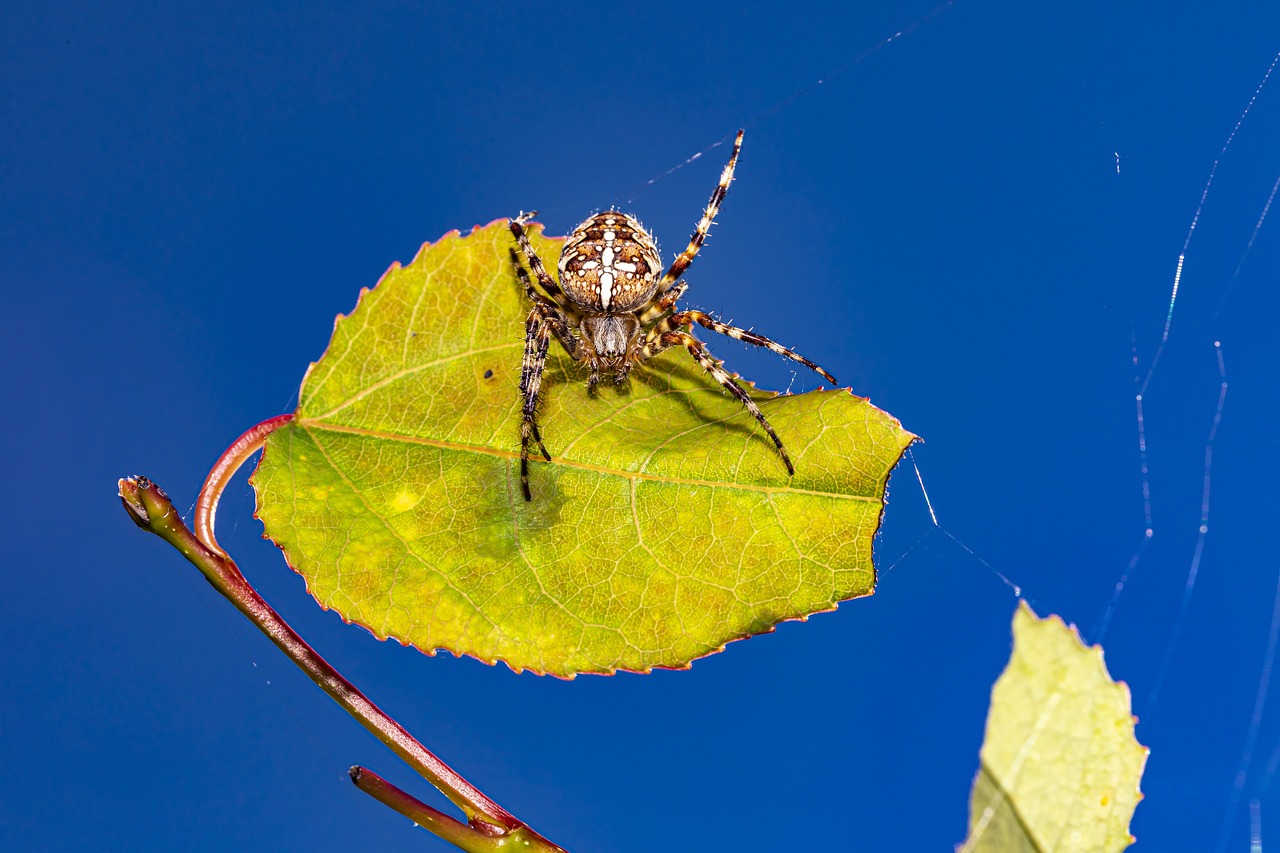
(612, 310)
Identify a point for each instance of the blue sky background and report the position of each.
(188, 197)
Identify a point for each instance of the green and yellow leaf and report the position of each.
(665, 527)
(1060, 764)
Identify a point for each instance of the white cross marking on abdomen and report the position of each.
(606, 270)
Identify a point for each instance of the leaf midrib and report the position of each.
(306, 423)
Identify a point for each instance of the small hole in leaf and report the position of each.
(488, 374)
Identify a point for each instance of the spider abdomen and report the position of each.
(610, 264)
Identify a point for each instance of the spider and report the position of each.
(613, 309)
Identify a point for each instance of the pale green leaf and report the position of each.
(1060, 764)
(665, 527)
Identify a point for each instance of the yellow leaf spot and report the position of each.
(405, 501)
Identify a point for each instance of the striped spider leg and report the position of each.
(545, 318)
(674, 331)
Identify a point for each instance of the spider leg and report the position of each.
(685, 258)
(525, 281)
(664, 304)
(684, 318)
(537, 338)
(700, 353)
(548, 316)
(561, 329)
(535, 263)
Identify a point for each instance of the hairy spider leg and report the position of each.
(533, 293)
(537, 338)
(685, 258)
(546, 317)
(535, 263)
(665, 304)
(684, 318)
(566, 338)
(702, 355)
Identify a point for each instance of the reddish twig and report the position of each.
(220, 475)
(151, 509)
(476, 838)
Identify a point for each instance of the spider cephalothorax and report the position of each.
(613, 308)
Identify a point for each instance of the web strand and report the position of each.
(1145, 382)
(1016, 588)
(805, 90)
(1100, 631)
(1255, 722)
(1195, 220)
(1266, 208)
(1142, 382)
(1201, 536)
(1255, 827)
(1203, 530)
(924, 491)
(903, 555)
